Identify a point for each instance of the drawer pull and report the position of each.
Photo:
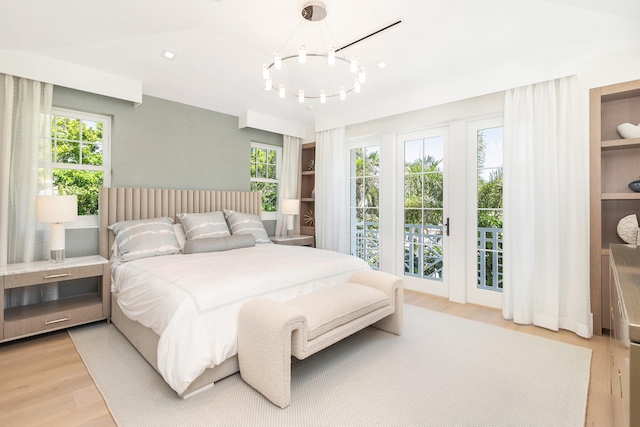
(620, 380)
(55, 276)
(51, 322)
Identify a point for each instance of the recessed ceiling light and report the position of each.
(168, 54)
(382, 64)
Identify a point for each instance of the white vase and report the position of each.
(629, 131)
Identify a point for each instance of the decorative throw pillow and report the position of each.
(144, 238)
(218, 244)
(244, 223)
(204, 225)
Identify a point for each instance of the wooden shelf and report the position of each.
(620, 196)
(32, 310)
(620, 144)
(308, 172)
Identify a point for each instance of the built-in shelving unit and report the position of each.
(614, 163)
(307, 188)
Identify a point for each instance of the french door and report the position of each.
(422, 210)
(485, 221)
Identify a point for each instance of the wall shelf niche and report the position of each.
(307, 188)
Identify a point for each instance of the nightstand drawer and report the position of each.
(30, 320)
(297, 240)
(302, 242)
(52, 275)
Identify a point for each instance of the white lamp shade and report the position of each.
(56, 208)
(290, 206)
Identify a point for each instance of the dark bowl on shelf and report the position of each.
(635, 186)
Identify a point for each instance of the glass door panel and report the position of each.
(423, 207)
(365, 204)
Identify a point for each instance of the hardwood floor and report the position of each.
(43, 381)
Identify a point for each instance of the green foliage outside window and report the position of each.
(264, 176)
(490, 215)
(77, 142)
(365, 176)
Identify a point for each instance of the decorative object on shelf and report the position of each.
(628, 229)
(290, 208)
(312, 165)
(57, 210)
(635, 185)
(313, 193)
(309, 219)
(322, 75)
(629, 131)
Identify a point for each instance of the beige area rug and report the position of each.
(443, 371)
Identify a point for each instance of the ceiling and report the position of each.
(442, 46)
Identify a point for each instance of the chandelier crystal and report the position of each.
(310, 75)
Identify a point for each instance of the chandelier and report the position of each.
(313, 75)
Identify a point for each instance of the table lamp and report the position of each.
(290, 208)
(57, 210)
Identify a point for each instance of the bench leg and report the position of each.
(264, 351)
(393, 322)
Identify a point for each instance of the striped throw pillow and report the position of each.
(204, 225)
(244, 223)
(144, 238)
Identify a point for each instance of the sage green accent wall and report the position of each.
(165, 144)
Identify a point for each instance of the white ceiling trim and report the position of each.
(256, 120)
(60, 73)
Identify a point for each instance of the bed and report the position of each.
(156, 299)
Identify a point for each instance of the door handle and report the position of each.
(446, 225)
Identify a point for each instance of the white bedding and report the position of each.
(192, 301)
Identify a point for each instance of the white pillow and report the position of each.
(244, 223)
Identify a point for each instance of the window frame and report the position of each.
(269, 216)
(87, 221)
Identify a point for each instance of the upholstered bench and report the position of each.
(270, 332)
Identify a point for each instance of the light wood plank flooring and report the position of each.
(43, 381)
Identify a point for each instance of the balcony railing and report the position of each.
(490, 259)
(423, 251)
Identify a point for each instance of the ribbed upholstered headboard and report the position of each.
(124, 204)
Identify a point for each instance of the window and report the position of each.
(80, 148)
(265, 175)
(365, 204)
(490, 217)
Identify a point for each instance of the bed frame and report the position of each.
(124, 204)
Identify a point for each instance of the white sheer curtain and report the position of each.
(331, 185)
(289, 181)
(546, 208)
(25, 171)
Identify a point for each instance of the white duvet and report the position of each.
(192, 301)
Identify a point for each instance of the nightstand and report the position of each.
(83, 295)
(295, 240)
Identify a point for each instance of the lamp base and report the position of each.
(57, 256)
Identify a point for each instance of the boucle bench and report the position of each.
(270, 332)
